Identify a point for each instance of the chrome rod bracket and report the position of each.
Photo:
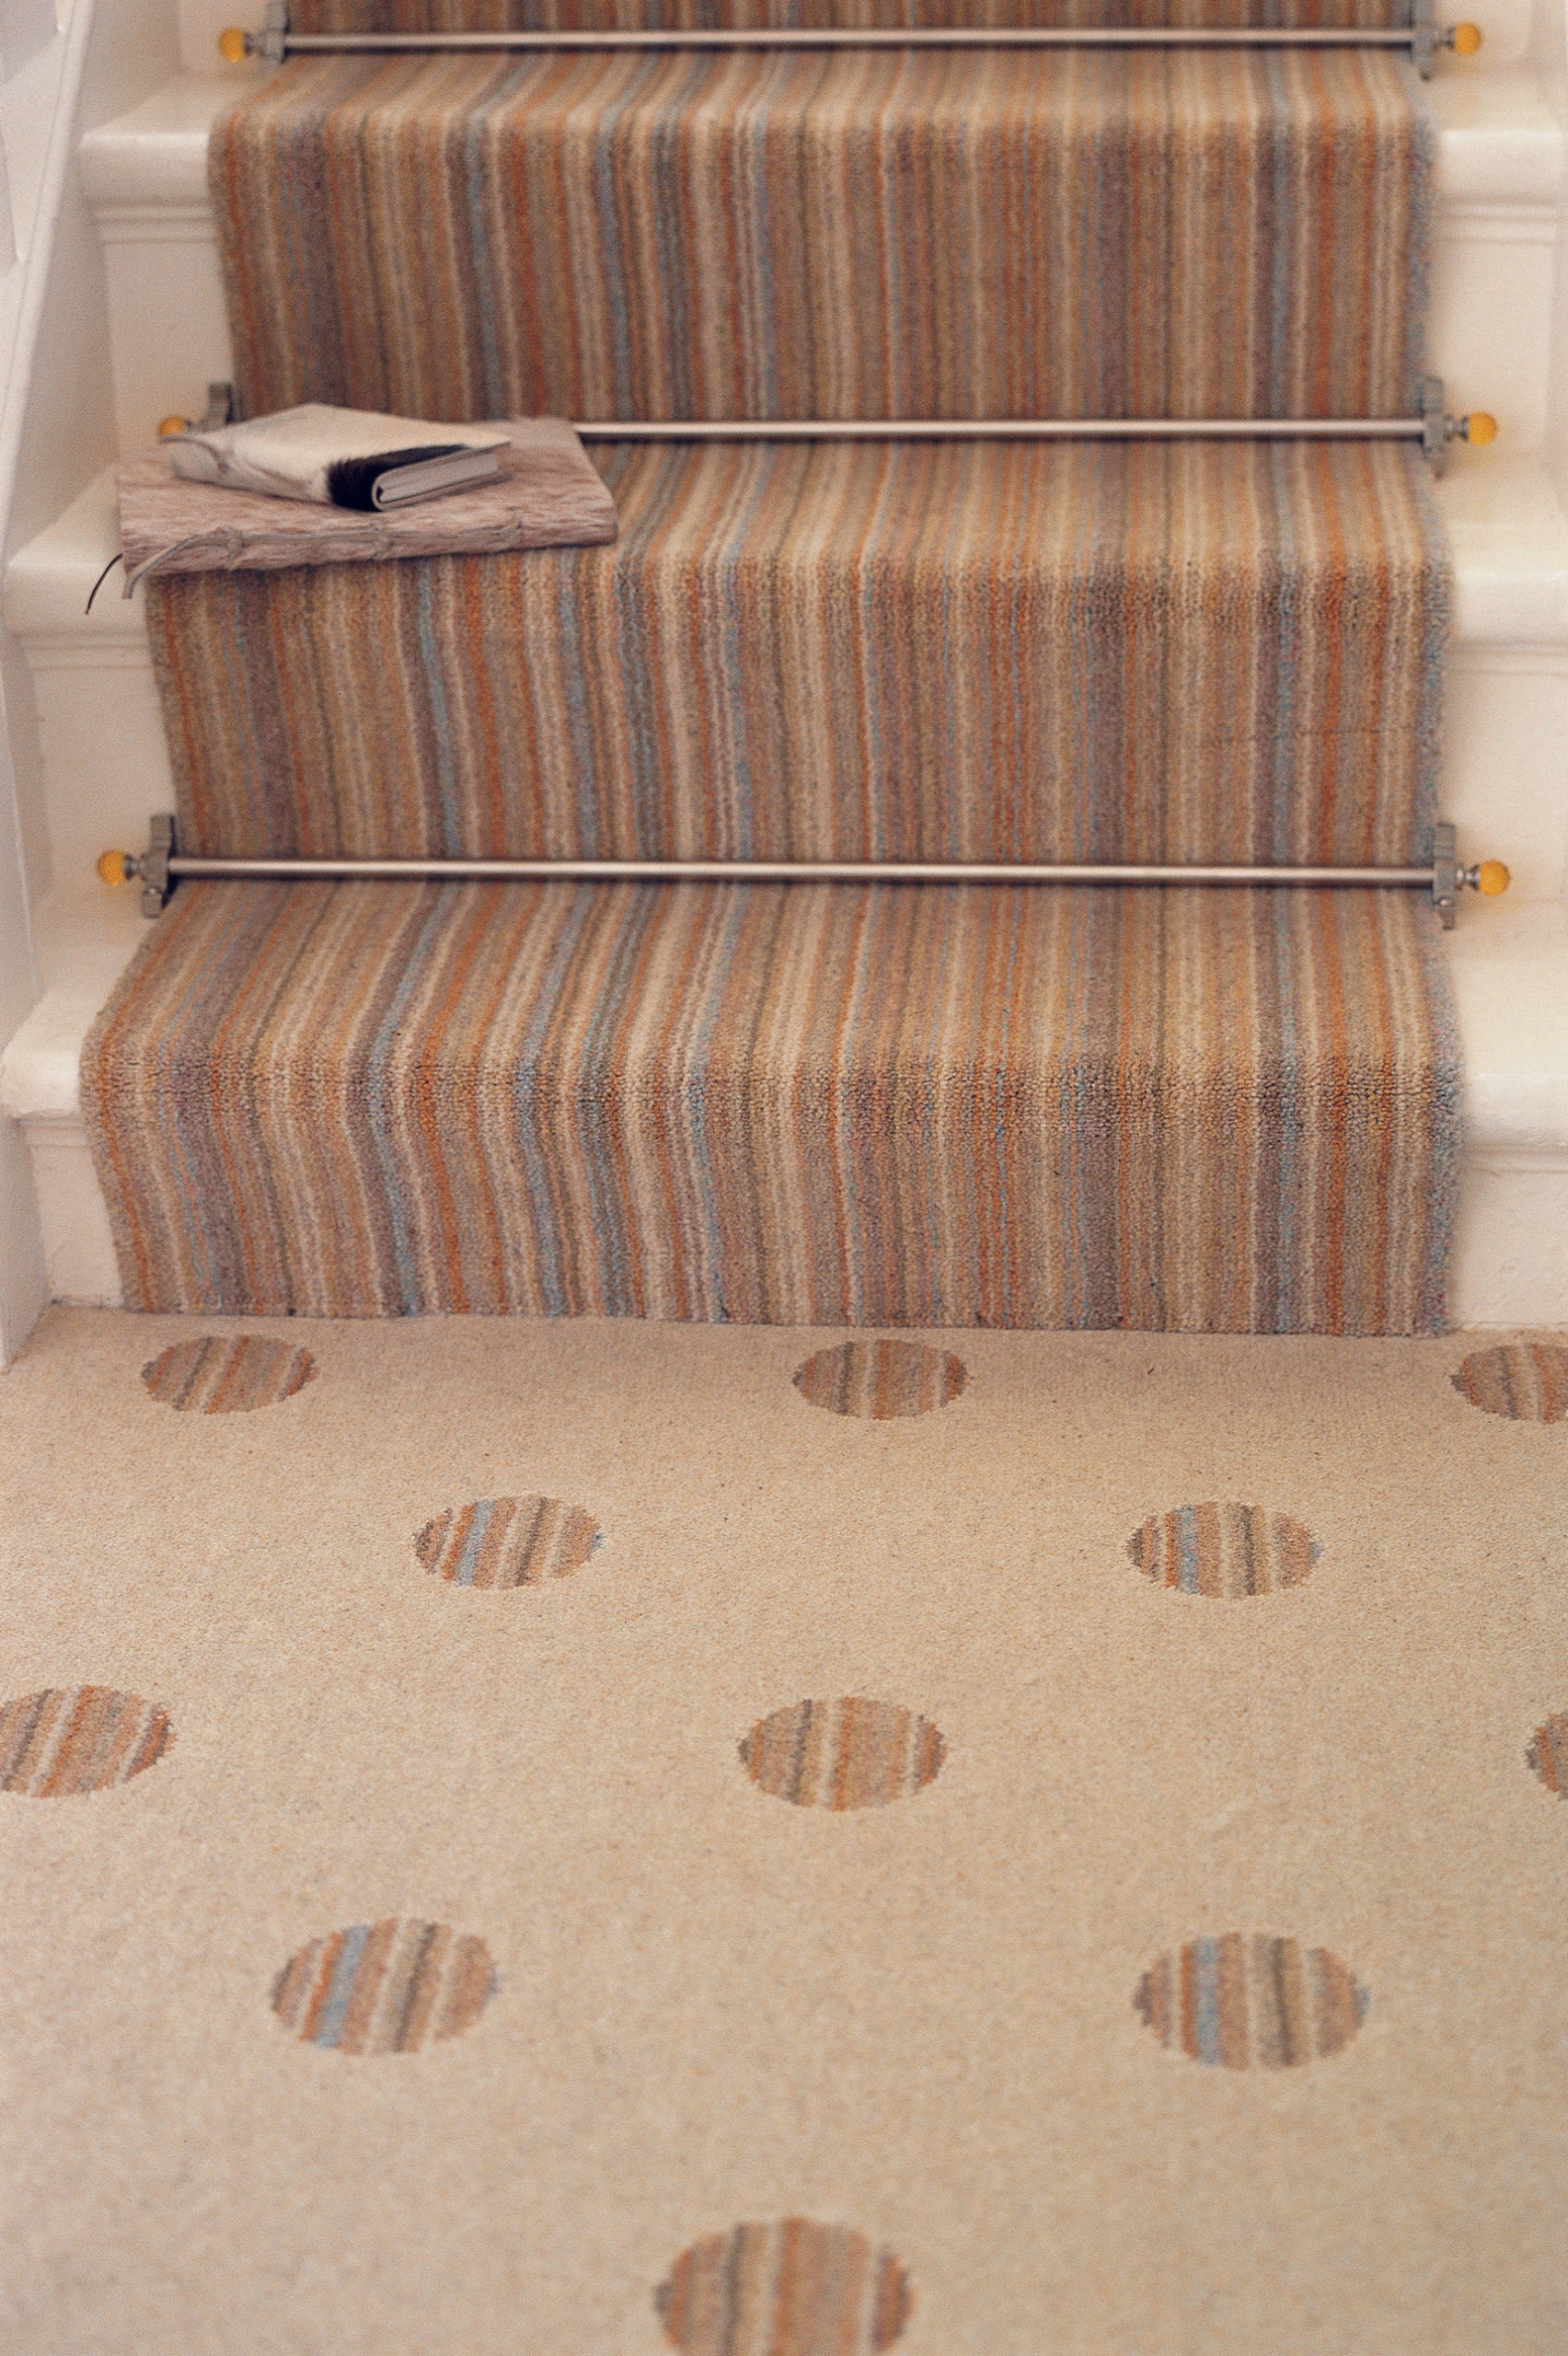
(1425, 40)
(272, 42)
(1437, 428)
(151, 869)
(1445, 873)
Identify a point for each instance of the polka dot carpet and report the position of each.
(507, 1542)
(1547, 1753)
(431, 1981)
(1527, 1381)
(880, 1379)
(793, 2288)
(1228, 1550)
(385, 1987)
(851, 1753)
(226, 1375)
(81, 1739)
(1251, 2003)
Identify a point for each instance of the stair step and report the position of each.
(784, 1104)
(1510, 975)
(1506, 780)
(1508, 697)
(1499, 169)
(1186, 652)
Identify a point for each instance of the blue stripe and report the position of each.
(344, 1973)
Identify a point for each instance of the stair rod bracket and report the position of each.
(1423, 37)
(161, 865)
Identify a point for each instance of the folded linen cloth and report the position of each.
(338, 457)
(547, 494)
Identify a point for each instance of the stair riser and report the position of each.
(997, 653)
(1510, 1265)
(1505, 766)
(857, 234)
(1493, 273)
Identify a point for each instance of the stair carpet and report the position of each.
(835, 1104)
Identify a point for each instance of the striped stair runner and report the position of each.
(819, 1105)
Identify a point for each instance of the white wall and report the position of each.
(56, 432)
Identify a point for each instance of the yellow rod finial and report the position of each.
(1466, 40)
(1480, 428)
(117, 867)
(1492, 879)
(234, 46)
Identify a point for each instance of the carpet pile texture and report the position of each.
(852, 1908)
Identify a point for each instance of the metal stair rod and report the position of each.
(1421, 36)
(1432, 426)
(160, 867)
(1433, 429)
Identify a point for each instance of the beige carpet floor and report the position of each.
(434, 1925)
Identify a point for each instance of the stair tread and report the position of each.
(1508, 536)
(1509, 967)
(794, 1104)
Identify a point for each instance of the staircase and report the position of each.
(1499, 181)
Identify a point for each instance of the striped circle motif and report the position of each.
(880, 1380)
(843, 1754)
(507, 1542)
(227, 1374)
(385, 1987)
(1527, 1381)
(74, 1739)
(791, 2289)
(1252, 2002)
(1547, 1753)
(1226, 1550)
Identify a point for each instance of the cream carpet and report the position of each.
(576, 1840)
